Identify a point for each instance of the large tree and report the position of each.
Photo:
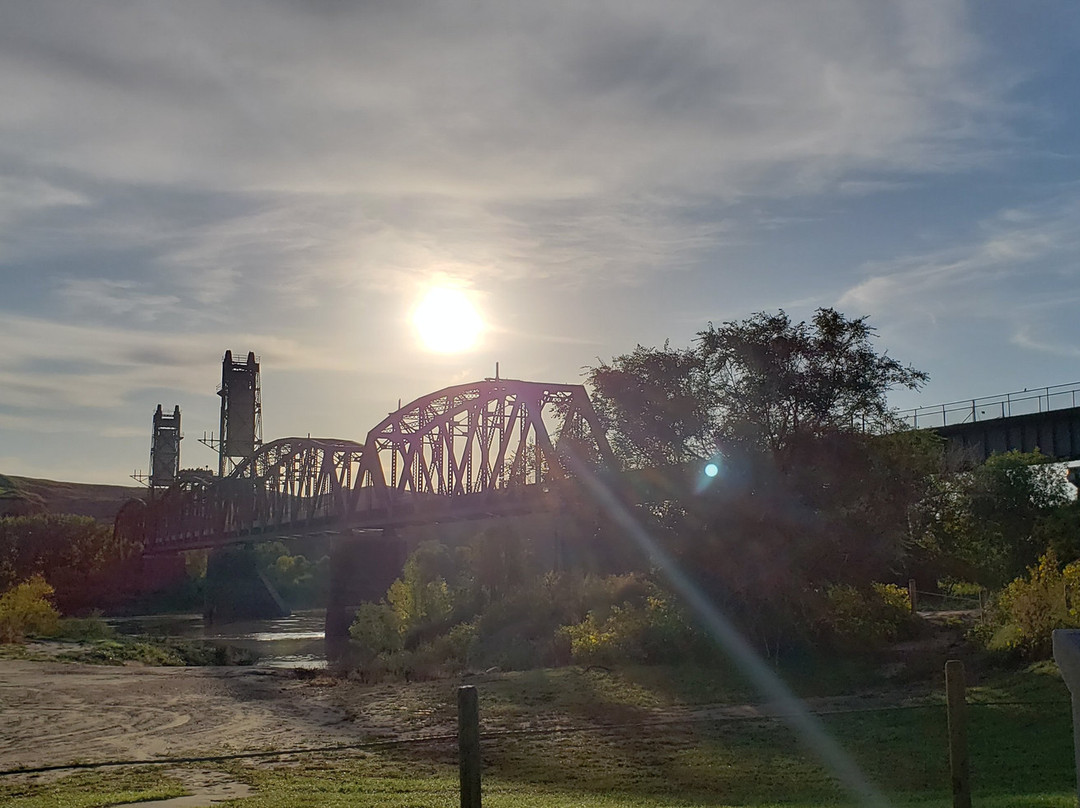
(655, 405)
(772, 380)
(809, 492)
(759, 384)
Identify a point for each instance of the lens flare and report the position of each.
(785, 704)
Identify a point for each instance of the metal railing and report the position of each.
(1021, 402)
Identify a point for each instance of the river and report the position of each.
(286, 642)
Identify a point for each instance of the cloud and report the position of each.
(48, 367)
(287, 175)
(114, 299)
(1025, 337)
(1014, 283)
(494, 138)
(1029, 248)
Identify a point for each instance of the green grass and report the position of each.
(90, 789)
(157, 651)
(1021, 752)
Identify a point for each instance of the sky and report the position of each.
(292, 178)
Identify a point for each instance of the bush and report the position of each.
(864, 619)
(92, 627)
(159, 652)
(462, 642)
(1032, 606)
(26, 609)
(376, 628)
(653, 632)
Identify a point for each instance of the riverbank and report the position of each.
(642, 737)
(57, 713)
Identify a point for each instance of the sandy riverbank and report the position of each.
(57, 713)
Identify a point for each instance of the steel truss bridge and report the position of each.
(491, 448)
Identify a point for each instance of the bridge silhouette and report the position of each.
(487, 449)
(495, 447)
(1045, 418)
(490, 448)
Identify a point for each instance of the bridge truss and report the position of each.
(487, 448)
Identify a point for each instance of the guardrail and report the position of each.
(1005, 405)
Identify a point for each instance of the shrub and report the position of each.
(422, 596)
(1032, 606)
(655, 631)
(376, 628)
(960, 589)
(91, 627)
(26, 609)
(463, 641)
(864, 619)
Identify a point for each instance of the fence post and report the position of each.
(912, 595)
(469, 746)
(956, 700)
(1067, 656)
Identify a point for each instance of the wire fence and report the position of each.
(947, 602)
(902, 746)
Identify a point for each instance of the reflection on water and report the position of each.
(285, 642)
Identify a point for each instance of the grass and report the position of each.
(1020, 738)
(158, 651)
(116, 650)
(91, 789)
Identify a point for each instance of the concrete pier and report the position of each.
(237, 590)
(362, 568)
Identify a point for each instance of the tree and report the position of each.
(811, 490)
(654, 403)
(996, 519)
(771, 379)
(88, 566)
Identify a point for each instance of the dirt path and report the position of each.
(55, 713)
(58, 713)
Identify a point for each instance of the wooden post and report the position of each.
(912, 594)
(956, 699)
(469, 746)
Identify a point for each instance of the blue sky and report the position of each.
(290, 177)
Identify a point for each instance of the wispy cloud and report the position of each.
(285, 176)
(1013, 286)
(503, 139)
(49, 367)
(1032, 248)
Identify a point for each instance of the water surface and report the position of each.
(285, 642)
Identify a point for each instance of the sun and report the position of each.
(447, 321)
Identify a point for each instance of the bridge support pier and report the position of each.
(361, 570)
(237, 590)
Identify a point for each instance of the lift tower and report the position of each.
(241, 411)
(165, 449)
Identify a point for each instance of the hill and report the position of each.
(25, 495)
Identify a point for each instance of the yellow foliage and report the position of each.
(26, 609)
(1033, 605)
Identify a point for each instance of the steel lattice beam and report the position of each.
(485, 442)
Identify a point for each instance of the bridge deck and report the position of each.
(1055, 433)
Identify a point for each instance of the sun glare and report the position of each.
(446, 321)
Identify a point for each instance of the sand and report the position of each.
(57, 713)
